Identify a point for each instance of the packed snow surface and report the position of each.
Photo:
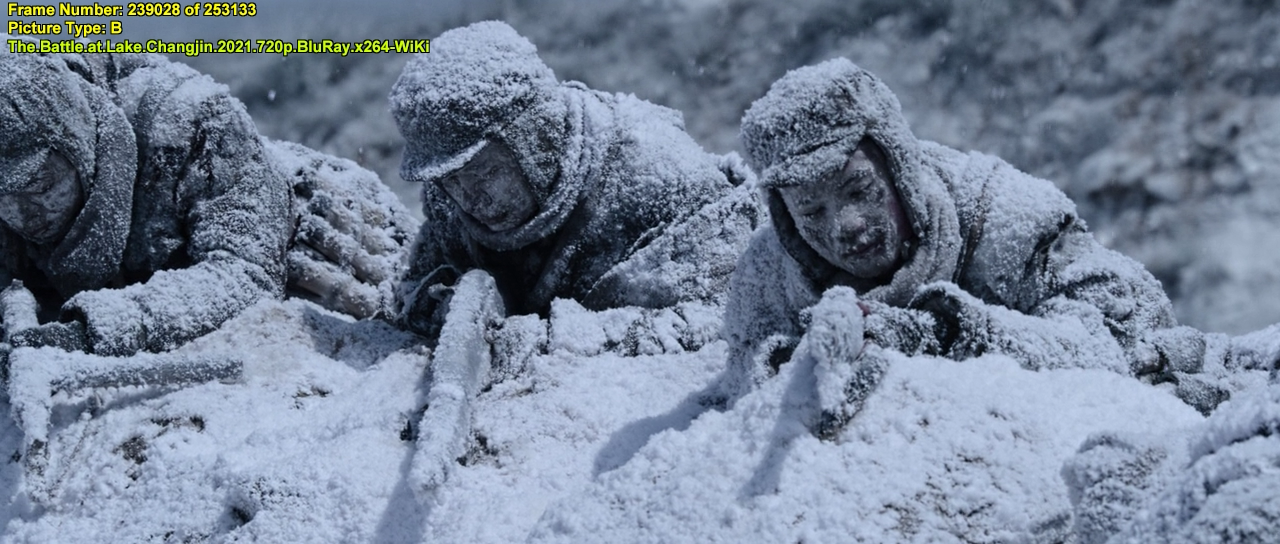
(314, 441)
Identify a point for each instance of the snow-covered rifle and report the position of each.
(459, 368)
(41, 377)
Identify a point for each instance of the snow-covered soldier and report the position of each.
(142, 209)
(556, 190)
(950, 253)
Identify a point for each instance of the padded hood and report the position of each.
(46, 107)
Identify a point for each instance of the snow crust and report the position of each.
(942, 452)
(309, 445)
(314, 443)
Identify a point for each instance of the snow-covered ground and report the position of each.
(313, 444)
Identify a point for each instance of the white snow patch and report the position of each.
(306, 447)
(943, 451)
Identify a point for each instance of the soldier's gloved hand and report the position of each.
(908, 330)
(1258, 350)
(834, 327)
(66, 336)
(348, 243)
(951, 309)
(426, 307)
(1177, 355)
(1108, 481)
(834, 339)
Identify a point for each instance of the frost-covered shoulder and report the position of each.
(660, 162)
(692, 260)
(126, 65)
(656, 132)
(945, 158)
(1016, 197)
(1012, 216)
(633, 111)
(340, 174)
(165, 91)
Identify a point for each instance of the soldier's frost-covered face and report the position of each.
(492, 188)
(44, 210)
(854, 218)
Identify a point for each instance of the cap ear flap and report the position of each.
(90, 254)
(874, 152)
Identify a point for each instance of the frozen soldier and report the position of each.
(921, 248)
(550, 208)
(554, 189)
(140, 207)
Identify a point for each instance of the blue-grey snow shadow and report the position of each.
(405, 519)
(797, 414)
(799, 410)
(11, 469)
(624, 444)
(359, 344)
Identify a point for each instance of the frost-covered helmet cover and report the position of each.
(479, 82)
(42, 109)
(806, 127)
(45, 106)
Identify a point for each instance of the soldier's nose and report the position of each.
(849, 223)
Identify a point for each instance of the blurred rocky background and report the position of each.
(1161, 118)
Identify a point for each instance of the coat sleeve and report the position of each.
(761, 317)
(437, 259)
(691, 261)
(236, 209)
(1038, 287)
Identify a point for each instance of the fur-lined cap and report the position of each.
(42, 108)
(475, 80)
(812, 119)
(806, 128)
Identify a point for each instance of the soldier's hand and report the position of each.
(908, 330)
(334, 286)
(348, 243)
(835, 325)
(425, 312)
(66, 336)
(947, 307)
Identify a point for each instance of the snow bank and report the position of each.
(310, 445)
(315, 443)
(941, 452)
(541, 437)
